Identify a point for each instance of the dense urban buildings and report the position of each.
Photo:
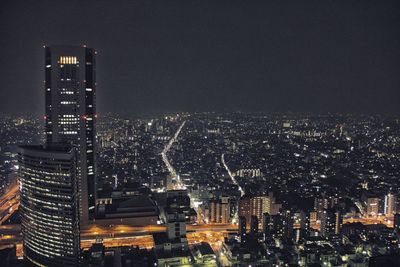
(200, 133)
(261, 189)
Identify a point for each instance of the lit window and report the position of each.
(67, 60)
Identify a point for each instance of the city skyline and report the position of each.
(156, 57)
(231, 134)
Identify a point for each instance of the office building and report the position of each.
(70, 113)
(49, 205)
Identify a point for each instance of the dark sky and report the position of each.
(317, 56)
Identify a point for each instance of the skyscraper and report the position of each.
(49, 206)
(70, 91)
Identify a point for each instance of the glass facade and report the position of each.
(49, 206)
(70, 90)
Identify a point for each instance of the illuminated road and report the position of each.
(164, 153)
(230, 175)
(215, 239)
(9, 202)
(140, 241)
(10, 235)
(388, 221)
(359, 206)
(93, 231)
(125, 235)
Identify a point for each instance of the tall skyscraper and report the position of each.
(70, 90)
(49, 205)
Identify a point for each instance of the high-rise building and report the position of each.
(320, 204)
(338, 221)
(70, 94)
(242, 228)
(301, 223)
(258, 205)
(372, 206)
(215, 211)
(281, 225)
(225, 210)
(49, 205)
(331, 222)
(254, 225)
(266, 224)
(244, 208)
(220, 210)
(396, 222)
(389, 204)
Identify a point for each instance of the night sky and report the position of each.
(166, 56)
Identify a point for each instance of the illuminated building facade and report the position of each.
(49, 205)
(220, 210)
(372, 206)
(70, 91)
(258, 205)
(331, 222)
(390, 204)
